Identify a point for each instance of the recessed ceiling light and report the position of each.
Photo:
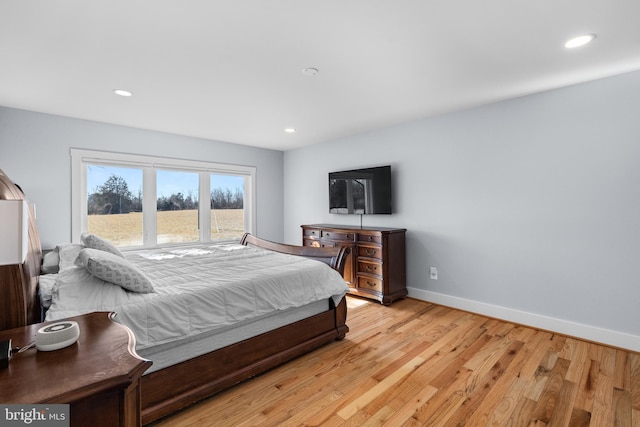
(579, 41)
(310, 71)
(122, 92)
(290, 130)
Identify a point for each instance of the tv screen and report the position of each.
(360, 191)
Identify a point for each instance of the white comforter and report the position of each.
(198, 289)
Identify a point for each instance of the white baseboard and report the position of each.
(577, 330)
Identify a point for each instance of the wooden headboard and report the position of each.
(19, 302)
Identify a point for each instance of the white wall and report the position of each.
(34, 152)
(529, 208)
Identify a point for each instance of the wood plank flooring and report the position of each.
(420, 364)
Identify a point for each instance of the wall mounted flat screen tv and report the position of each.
(360, 191)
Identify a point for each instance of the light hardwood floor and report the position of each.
(419, 364)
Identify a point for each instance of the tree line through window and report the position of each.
(115, 197)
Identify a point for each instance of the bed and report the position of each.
(208, 368)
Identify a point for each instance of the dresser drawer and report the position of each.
(370, 268)
(369, 238)
(311, 232)
(311, 242)
(336, 235)
(317, 243)
(370, 283)
(370, 252)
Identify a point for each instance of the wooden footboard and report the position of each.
(333, 256)
(175, 387)
(167, 390)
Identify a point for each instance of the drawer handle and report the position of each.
(346, 236)
(370, 268)
(370, 283)
(370, 238)
(370, 252)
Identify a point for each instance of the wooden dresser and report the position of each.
(98, 376)
(376, 268)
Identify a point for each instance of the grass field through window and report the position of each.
(173, 226)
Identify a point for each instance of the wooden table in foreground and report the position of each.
(98, 376)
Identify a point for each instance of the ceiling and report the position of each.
(232, 70)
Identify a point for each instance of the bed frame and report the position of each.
(19, 302)
(170, 389)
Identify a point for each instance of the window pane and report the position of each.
(227, 206)
(177, 204)
(114, 204)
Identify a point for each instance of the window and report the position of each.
(177, 206)
(227, 201)
(144, 201)
(114, 203)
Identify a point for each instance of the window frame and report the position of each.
(80, 158)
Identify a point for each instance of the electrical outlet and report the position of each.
(433, 273)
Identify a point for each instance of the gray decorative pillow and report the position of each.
(94, 242)
(114, 269)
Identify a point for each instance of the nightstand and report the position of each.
(98, 376)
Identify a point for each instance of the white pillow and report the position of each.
(50, 262)
(94, 242)
(68, 253)
(114, 269)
